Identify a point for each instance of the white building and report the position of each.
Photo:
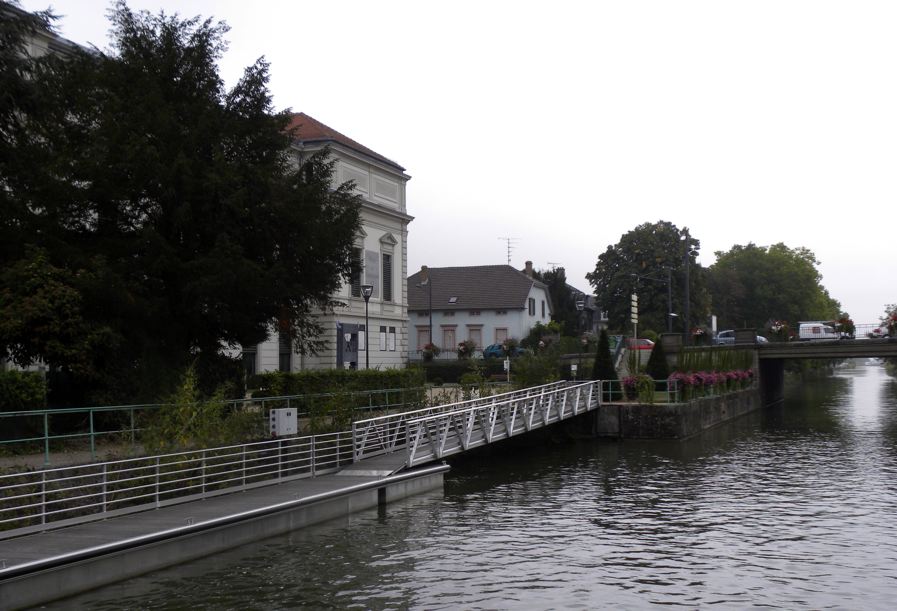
(381, 245)
(485, 304)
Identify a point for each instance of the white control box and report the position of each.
(283, 422)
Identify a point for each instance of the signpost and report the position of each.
(633, 315)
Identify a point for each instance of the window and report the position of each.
(501, 312)
(448, 338)
(383, 338)
(532, 306)
(423, 337)
(476, 336)
(361, 332)
(387, 277)
(285, 351)
(474, 312)
(392, 339)
(543, 308)
(356, 277)
(501, 335)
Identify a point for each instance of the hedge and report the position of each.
(450, 371)
(276, 384)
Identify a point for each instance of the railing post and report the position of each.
(46, 439)
(132, 427)
(157, 482)
(279, 459)
(104, 487)
(43, 497)
(93, 445)
(202, 477)
(244, 466)
(313, 437)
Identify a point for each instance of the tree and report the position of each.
(752, 284)
(170, 212)
(657, 366)
(563, 302)
(638, 263)
(603, 368)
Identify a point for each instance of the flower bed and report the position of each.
(707, 383)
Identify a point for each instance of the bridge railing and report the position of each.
(434, 436)
(48, 498)
(386, 434)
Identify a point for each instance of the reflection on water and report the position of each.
(788, 507)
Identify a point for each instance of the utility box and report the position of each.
(283, 422)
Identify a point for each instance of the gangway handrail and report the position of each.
(435, 436)
(385, 434)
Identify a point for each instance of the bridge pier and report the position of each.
(772, 381)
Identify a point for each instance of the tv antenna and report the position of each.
(510, 244)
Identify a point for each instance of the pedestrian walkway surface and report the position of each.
(73, 539)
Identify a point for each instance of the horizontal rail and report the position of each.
(385, 434)
(435, 436)
(39, 500)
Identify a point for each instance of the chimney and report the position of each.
(529, 269)
(425, 271)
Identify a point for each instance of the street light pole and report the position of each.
(366, 291)
(687, 320)
(429, 286)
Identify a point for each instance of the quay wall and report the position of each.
(626, 420)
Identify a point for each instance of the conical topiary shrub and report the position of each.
(603, 368)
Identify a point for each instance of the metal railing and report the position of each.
(436, 436)
(386, 434)
(90, 424)
(48, 498)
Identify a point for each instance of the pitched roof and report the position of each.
(484, 287)
(311, 130)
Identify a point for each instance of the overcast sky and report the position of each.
(564, 125)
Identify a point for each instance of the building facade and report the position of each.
(486, 304)
(381, 246)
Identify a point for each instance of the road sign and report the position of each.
(633, 316)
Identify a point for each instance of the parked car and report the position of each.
(640, 344)
(724, 338)
(497, 351)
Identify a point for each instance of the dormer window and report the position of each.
(453, 300)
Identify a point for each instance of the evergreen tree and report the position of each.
(171, 214)
(657, 366)
(603, 368)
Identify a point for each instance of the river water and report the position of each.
(790, 507)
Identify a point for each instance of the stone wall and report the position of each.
(673, 420)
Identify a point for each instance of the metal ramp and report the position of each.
(383, 465)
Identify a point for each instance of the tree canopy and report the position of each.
(159, 217)
(752, 284)
(638, 263)
(563, 303)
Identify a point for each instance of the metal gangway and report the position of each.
(437, 432)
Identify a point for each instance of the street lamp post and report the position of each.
(429, 285)
(686, 313)
(366, 291)
(580, 306)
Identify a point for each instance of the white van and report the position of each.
(816, 330)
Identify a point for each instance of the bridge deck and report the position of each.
(73, 539)
(830, 349)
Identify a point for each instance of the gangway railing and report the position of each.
(387, 434)
(38, 500)
(436, 436)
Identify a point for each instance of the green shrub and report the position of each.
(22, 390)
(657, 366)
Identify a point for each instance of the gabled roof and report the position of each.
(484, 287)
(310, 130)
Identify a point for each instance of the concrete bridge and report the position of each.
(771, 357)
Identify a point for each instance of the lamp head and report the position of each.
(367, 290)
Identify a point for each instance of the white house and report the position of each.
(381, 245)
(486, 304)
